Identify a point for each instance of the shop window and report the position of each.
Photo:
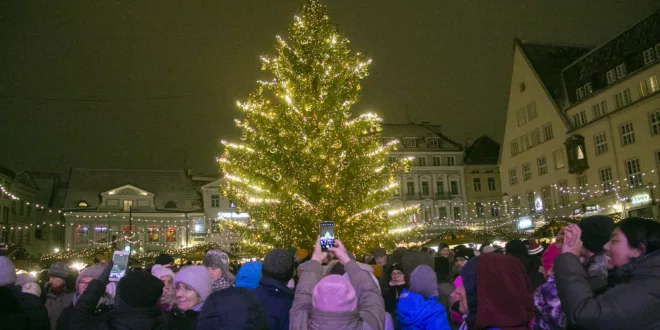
(153, 234)
(170, 234)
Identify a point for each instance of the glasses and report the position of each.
(397, 273)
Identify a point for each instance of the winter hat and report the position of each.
(22, 279)
(549, 256)
(302, 254)
(32, 288)
(140, 289)
(534, 248)
(596, 232)
(249, 275)
(516, 247)
(278, 265)
(411, 260)
(215, 259)
(164, 259)
(334, 293)
(93, 272)
(397, 255)
(488, 249)
(159, 271)
(379, 252)
(59, 269)
(424, 281)
(465, 253)
(196, 277)
(7, 271)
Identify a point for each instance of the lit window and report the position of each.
(601, 143)
(101, 234)
(128, 204)
(153, 233)
(627, 134)
(82, 234)
(634, 173)
(170, 234)
(82, 204)
(648, 86)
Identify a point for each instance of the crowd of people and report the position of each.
(597, 274)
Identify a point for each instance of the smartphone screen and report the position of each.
(120, 260)
(327, 233)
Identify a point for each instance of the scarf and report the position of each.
(624, 273)
(222, 283)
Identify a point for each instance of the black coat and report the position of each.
(179, 320)
(391, 296)
(11, 313)
(276, 299)
(32, 307)
(99, 314)
(232, 309)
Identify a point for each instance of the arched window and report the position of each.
(82, 204)
(170, 205)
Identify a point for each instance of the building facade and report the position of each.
(582, 129)
(19, 211)
(436, 178)
(143, 210)
(482, 182)
(218, 210)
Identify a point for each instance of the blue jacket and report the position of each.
(276, 298)
(414, 312)
(232, 308)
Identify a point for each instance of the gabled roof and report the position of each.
(7, 172)
(484, 151)
(48, 188)
(87, 184)
(421, 132)
(127, 186)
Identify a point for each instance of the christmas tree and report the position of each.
(304, 157)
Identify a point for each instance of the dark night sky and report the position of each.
(166, 77)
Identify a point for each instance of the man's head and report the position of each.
(380, 256)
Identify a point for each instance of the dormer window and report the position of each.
(82, 204)
(588, 89)
(170, 205)
(410, 142)
(621, 70)
(434, 142)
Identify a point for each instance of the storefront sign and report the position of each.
(640, 199)
(591, 208)
(525, 223)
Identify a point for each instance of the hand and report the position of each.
(572, 241)
(318, 254)
(105, 276)
(340, 252)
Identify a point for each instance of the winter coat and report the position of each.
(12, 315)
(180, 320)
(32, 307)
(370, 313)
(631, 304)
(232, 309)
(391, 295)
(276, 299)
(414, 311)
(121, 317)
(55, 304)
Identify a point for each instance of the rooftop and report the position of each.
(484, 151)
(420, 131)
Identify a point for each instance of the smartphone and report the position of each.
(327, 233)
(120, 260)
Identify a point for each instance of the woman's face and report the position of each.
(186, 297)
(618, 251)
(216, 273)
(167, 282)
(397, 276)
(459, 295)
(445, 252)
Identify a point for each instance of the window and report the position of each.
(491, 184)
(648, 86)
(582, 181)
(600, 109)
(634, 173)
(451, 161)
(522, 86)
(620, 70)
(385, 140)
(524, 142)
(422, 161)
(601, 143)
(457, 213)
(547, 132)
(611, 76)
(215, 201)
(546, 196)
(536, 137)
(657, 50)
(513, 177)
(531, 110)
(410, 142)
(392, 159)
(82, 234)
(442, 213)
(440, 187)
(530, 203)
(588, 89)
(606, 179)
(627, 134)
(580, 118)
(522, 119)
(453, 185)
(558, 156)
(542, 165)
(514, 148)
(494, 212)
(477, 184)
(479, 209)
(411, 188)
(101, 234)
(434, 143)
(82, 204)
(527, 171)
(170, 234)
(128, 204)
(563, 192)
(579, 93)
(170, 205)
(516, 205)
(152, 234)
(655, 122)
(649, 56)
(621, 99)
(426, 188)
(437, 161)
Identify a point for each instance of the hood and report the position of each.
(414, 310)
(128, 318)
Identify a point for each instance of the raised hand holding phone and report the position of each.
(327, 235)
(340, 252)
(318, 254)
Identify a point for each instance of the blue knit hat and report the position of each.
(249, 275)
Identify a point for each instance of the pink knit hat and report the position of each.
(549, 257)
(334, 293)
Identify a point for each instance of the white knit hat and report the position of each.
(159, 271)
(7, 271)
(196, 277)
